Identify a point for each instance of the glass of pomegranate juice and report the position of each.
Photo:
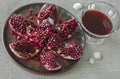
(99, 20)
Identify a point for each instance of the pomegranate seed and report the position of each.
(30, 11)
(13, 33)
(36, 14)
(31, 17)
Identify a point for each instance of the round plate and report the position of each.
(31, 65)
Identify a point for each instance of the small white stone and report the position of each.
(77, 6)
(97, 55)
(91, 60)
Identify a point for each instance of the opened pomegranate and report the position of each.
(50, 61)
(48, 13)
(68, 29)
(20, 26)
(24, 49)
(71, 51)
(47, 42)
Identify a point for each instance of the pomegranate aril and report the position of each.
(30, 11)
(13, 33)
(36, 14)
(31, 17)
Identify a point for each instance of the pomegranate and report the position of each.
(48, 13)
(24, 49)
(71, 51)
(68, 29)
(50, 61)
(20, 26)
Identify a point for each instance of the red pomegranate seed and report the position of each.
(30, 11)
(31, 17)
(36, 14)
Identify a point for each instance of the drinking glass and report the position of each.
(110, 11)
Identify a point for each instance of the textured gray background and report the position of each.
(107, 68)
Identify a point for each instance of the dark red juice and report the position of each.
(97, 22)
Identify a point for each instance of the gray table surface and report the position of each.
(107, 68)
